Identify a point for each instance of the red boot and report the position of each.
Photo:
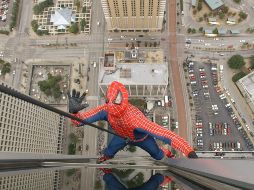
(167, 180)
(167, 152)
(103, 158)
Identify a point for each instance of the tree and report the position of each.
(199, 7)
(73, 138)
(238, 76)
(237, 1)
(221, 15)
(242, 15)
(225, 9)
(193, 30)
(34, 25)
(200, 29)
(215, 31)
(6, 68)
(131, 148)
(51, 86)
(252, 61)
(189, 30)
(82, 24)
(236, 62)
(39, 8)
(72, 149)
(74, 28)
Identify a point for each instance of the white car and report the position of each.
(110, 39)
(242, 41)
(98, 23)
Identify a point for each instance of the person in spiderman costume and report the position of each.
(113, 183)
(129, 123)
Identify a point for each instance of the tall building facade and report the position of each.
(134, 15)
(27, 128)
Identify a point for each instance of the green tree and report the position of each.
(201, 29)
(242, 15)
(252, 61)
(84, 9)
(189, 30)
(215, 31)
(221, 15)
(193, 30)
(82, 24)
(39, 8)
(237, 1)
(236, 62)
(73, 138)
(199, 7)
(74, 28)
(5, 67)
(238, 76)
(70, 172)
(72, 149)
(136, 181)
(51, 86)
(34, 25)
(225, 9)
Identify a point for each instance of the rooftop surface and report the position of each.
(248, 84)
(137, 74)
(214, 4)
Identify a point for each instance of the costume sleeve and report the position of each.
(146, 126)
(95, 114)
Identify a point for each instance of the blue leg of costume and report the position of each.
(116, 144)
(149, 145)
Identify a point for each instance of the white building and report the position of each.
(62, 18)
(140, 79)
(246, 86)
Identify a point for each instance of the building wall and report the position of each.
(134, 15)
(43, 180)
(28, 128)
(138, 91)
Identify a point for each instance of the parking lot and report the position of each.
(216, 126)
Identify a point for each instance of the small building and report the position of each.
(234, 31)
(209, 33)
(222, 31)
(140, 79)
(231, 21)
(214, 4)
(246, 86)
(213, 21)
(194, 3)
(62, 18)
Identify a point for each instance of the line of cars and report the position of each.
(4, 8)
(199, 132)
(227, 145)
(219, 129)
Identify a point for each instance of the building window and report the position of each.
(142, 8)
(125, 10)
(150, 8)
(133, 7)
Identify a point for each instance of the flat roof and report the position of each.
(212, 19)
(136, 74)
(208, 31)
(222, 30)
(247, 83)
(214, 4)
(193, 3)
(235, 31)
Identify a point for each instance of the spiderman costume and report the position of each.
(128, 122)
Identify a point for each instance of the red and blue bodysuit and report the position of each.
(129, 122)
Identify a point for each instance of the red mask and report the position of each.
(116, 98)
